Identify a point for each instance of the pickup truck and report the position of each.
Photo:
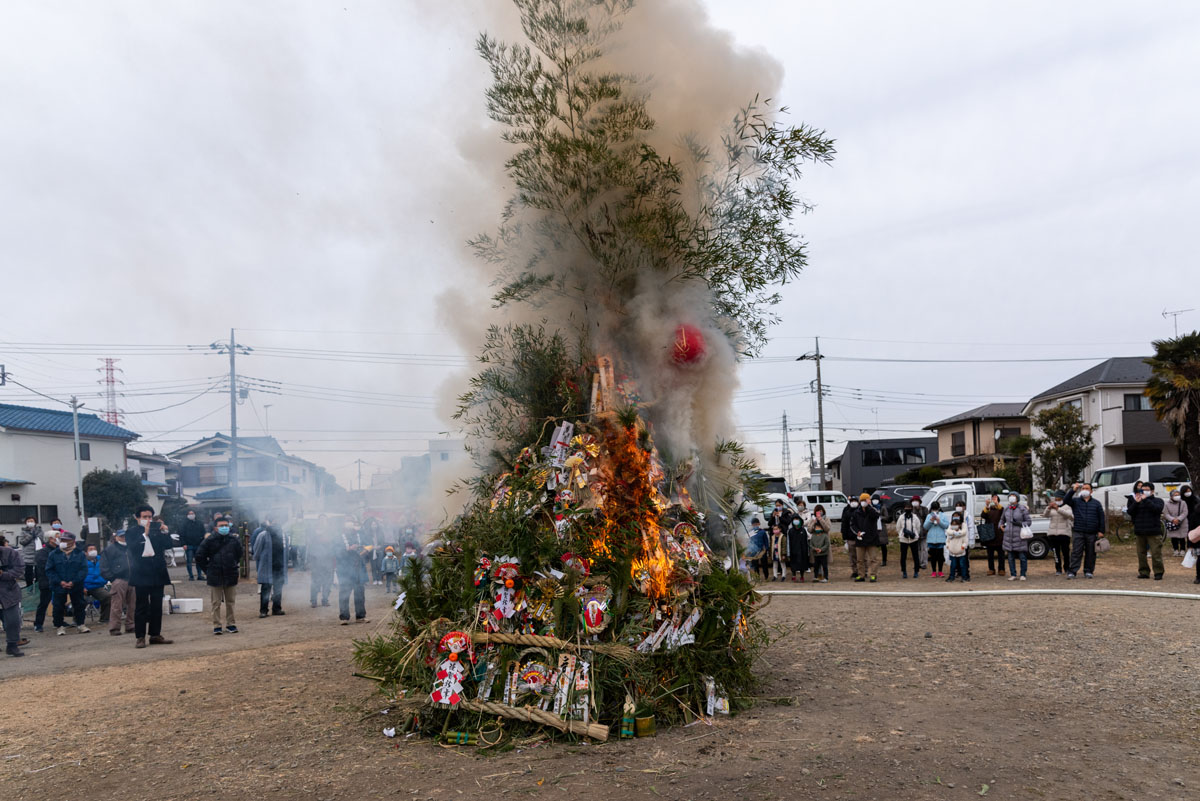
(950, 495)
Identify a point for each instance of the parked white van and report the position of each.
(1112, 485)
(834, 502)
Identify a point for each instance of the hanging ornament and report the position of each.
(447, 686)
(506, 582)
(594, 613)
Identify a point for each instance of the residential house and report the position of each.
(37, 461)
(1111, 396)
(971, 443)
(270, 481)
(154, 469)
(866, 464)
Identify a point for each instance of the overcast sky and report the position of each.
(1013, 181)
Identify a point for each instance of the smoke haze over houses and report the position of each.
(1013, 180)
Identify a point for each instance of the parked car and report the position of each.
(1112, 486)
(949, 496)
(776, 485)
(985, 486)
(893, 499)
(834, 502)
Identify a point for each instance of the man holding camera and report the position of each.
(148, 545)
(1089, 526)
(1146, 513)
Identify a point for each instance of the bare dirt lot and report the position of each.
(1039, 697)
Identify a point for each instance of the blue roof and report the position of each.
(4, 482)
(55, 421)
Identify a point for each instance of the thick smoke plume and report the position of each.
(696, 80)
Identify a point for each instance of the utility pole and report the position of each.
(359, 462)
(232, 349)
(815, 356)
(75, 404)
(267, 412)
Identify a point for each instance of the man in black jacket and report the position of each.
(219, 556)
(1089, 525)
(114, 568)
(848, 538)
(148, 546)
(864, 526)
(1146, 513)
(191, 534)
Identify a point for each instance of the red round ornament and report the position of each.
(689, 346)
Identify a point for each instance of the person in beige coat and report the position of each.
(1062, 518)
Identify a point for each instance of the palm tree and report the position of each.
(1174, 392)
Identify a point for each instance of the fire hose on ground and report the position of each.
(1186, 596)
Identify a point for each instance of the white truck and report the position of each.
(950, 495)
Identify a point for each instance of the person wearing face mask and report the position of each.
(922, 546)
(968, 524)
(1174, 515)
(46, 594)
(909, 530)
(818, 544)
(881, 536)
(990, 535)
(1089, 526)
(956, 547)
(218, 557)
(1146, 512)
(936, 524)
(30, 539)
(848, 537)
(95, 584)
(148, 545)
(780, 516)
(114, 567)
(1062, 519)
(66, 569)
(797, 547)
(191, 534)
(12, 570)
(864, 526)
(1015, 518)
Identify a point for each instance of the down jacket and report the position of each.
(1062, 518)
(1012, 520)
(219, 556)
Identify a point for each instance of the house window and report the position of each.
(281, 473)
(1136, 402)
(85, 452)
(1076, 402)
(145, 475)
(15, 515)
(958, 443)
(211, 474)
(914, 456)
(47, 513)
(445, 457)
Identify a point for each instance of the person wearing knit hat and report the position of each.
(390, 567)
(864, 527)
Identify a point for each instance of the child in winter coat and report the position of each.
(818, 544)
(778, 553)
(935, 527)
(956, 546)
(390, 566)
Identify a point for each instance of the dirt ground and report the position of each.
(1038, 697)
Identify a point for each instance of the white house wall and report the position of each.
(48, 460)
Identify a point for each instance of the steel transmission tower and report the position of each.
(787, 453)
(111, 413)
